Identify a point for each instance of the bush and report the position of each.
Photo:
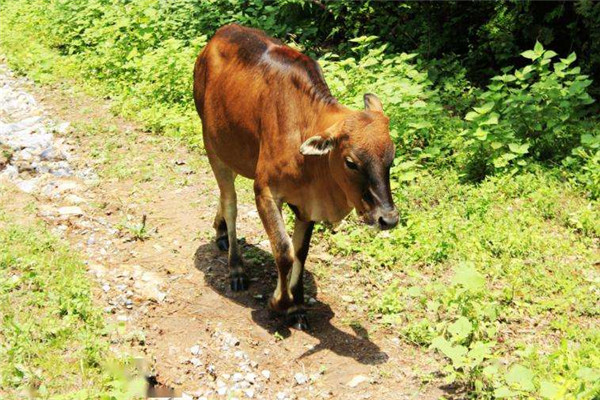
(529, 114)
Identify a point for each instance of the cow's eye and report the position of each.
(351, 164)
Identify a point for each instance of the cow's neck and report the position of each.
(323, 199)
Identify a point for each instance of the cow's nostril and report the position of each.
(388, 221)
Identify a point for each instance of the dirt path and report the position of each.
(169, 295)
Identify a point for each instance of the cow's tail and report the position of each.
(200, 73)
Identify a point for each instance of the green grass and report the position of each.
(512, 264)
(53, 340)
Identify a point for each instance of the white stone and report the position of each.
(347, 299)
(250, 377)
(27, 186)
(237, 377)
(266, 373)
(357, 380)
(195, 350)
(69, 211)
(195, 362)
(300, 378)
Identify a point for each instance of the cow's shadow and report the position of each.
(261, 270)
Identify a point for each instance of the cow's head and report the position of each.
(360, 153)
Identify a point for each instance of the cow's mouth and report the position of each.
(367, 218)
(382, 220)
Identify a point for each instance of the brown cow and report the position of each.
(267, 114)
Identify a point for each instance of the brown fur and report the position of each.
(259, 101)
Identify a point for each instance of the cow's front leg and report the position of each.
(269, 210)
(301, 242)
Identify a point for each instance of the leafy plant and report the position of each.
(527, 114)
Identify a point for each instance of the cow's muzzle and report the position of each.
(387, 220)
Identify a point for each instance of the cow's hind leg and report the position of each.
(225, 223)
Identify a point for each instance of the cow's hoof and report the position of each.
(298, 320)
(223, 243)
(239, 282)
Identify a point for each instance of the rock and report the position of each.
(237, 377)
(62, 128)
(195, 350)
(347, 299)
(28, 186)
(357, 380)
(195, 362)
(300, 378)
(250, 377)
(74, 199)
(69, 211)
(106, 287)
(312, 301)
(266, 373)
(11, 172)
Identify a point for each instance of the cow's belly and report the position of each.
(231, 132)
(236, 148)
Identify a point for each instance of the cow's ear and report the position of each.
(372, 103)
(316, 146)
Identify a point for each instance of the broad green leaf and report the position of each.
(467, 276)
(480, 134)
(503, 392)
(549, 390)
(414, 291)
(479, 351)
(407, 176)
(471, 116)
(521, 377)
(460, 329)
(538, 48)
(484, 109)
(530, 54)
(454, 353)
(496, 145)
(490, 371)
(519, 148)
(420, 125)
(588, 374)
(570, 59)
(492, 120)
(500, 162)
(549, 54)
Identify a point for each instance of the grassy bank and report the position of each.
(53, 340)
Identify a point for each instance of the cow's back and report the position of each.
(248, 85)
